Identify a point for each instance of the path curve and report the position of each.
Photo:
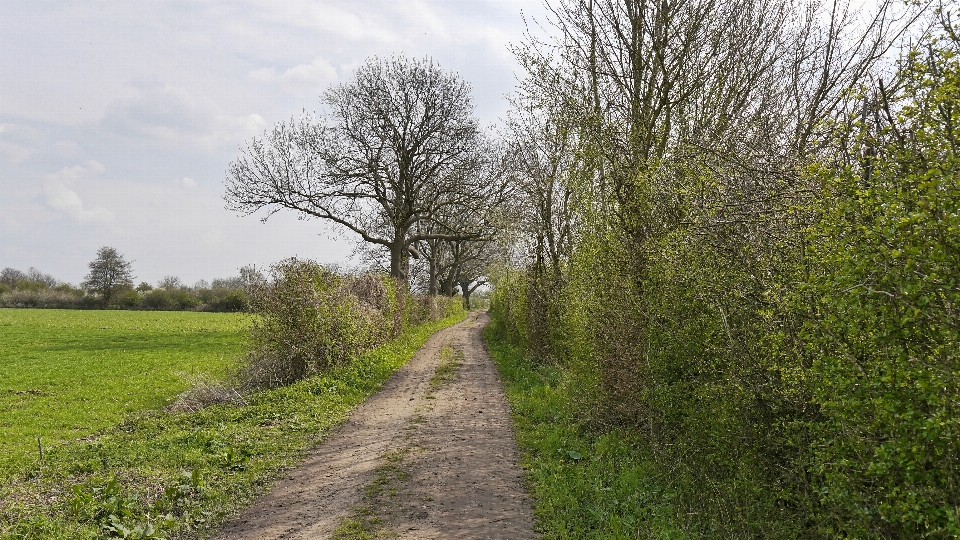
(461, 477)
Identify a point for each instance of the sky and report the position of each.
(118, 119)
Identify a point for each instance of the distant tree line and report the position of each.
(109, 285)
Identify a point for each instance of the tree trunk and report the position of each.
(432, 287)
(399, 262)
(465, 289)
(446, 287)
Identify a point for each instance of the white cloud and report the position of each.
(17, 142)
(61, 195)
(300, 80)
(15, 153)
(67, 148)
(171, 115)
(264, 75)
(187, 182)
(81, 91)
(331, 20)
(423, 16)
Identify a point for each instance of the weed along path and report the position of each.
(432, 455)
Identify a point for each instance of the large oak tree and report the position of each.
(397, 149)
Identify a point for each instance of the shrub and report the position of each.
(311, 319)
(232, 301)
(157, 299)
(43, 298)
(129, 299)
(30, 285)
(885, 330)
(183, 299)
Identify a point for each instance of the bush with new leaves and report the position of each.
(311, 318)
(884, 332)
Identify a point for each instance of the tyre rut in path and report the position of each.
(460, 477)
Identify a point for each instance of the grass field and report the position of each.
(65, 374)
(174, 475)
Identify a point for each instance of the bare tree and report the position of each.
(443, 259)
(543, 155)
(10, 276)
(398, 150)
(109, 274)
(743, 86)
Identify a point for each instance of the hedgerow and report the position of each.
(784, 346)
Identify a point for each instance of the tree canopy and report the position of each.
(109, 273)
(396, 153)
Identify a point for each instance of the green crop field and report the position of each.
(65, 374)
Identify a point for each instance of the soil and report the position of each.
(432, 455)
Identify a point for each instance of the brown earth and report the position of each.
(432, 455)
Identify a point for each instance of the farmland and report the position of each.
(184, 471)
(66, 374)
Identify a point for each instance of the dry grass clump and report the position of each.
(204, 392)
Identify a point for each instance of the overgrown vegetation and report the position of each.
(585, 483)
(178, 474)
(311, 318)
(739, 234)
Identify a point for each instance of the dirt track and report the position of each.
(423, 458)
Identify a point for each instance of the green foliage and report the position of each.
(109, 274)
(35, 289)
(183, 299)
(158, 299)
(311, 318)
(886, 335)
(58, 298)
(308, 321)
(129, 299)
(171, 299)
(508, 302)
(794, 365)
(236, 300)
(586, 483)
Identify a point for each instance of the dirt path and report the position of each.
(432, 455)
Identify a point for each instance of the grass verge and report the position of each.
(586, 484)
(177, 475)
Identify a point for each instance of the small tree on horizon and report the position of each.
(109, 273)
